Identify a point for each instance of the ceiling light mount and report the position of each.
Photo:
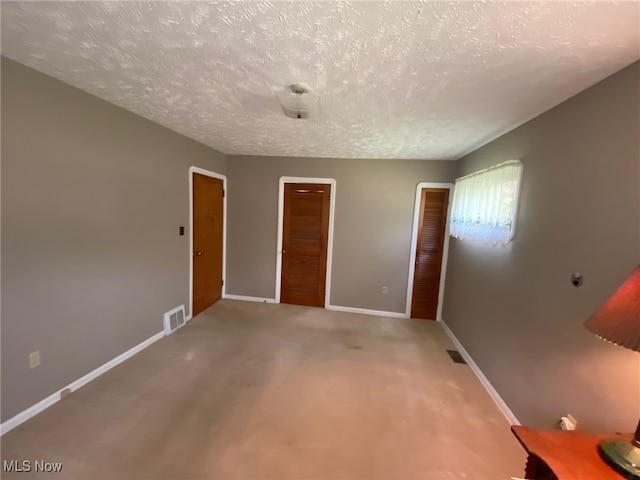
(299, 88)
(298, 102)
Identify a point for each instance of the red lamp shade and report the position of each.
(618, 320)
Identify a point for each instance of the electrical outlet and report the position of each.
(34, 359)
(385, 290)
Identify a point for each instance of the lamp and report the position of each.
(618, 321)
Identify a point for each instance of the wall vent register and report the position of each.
(173, 320)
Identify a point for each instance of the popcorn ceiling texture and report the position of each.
(395, 79)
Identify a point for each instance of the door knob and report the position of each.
(197, 254)
(284, 251)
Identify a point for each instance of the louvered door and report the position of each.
(304, 243)
(428, 261)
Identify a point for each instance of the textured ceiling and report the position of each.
(395, 79)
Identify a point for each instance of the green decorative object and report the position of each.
(623, 456)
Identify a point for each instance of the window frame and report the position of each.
(514, 211)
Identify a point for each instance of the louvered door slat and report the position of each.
(428, 261)
(304, 243)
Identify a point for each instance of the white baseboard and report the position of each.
(336, 308)
(364, 311)
(55, 397)
(506, 411)
(187, 318)
(249, 299)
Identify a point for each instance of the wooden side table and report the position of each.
(560, 455)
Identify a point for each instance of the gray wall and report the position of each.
(514, 308)
(92, 198)
(372, 231)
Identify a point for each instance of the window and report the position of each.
(485, 204)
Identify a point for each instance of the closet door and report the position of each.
(430, 245)
(304, 243)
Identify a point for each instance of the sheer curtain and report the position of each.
(485, 204)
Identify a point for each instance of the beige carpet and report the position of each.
(248, 391)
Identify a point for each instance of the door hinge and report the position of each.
(222, 282)
(223, 193)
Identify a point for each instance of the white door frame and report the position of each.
(219, 176)
(414, 242)
(332, 205)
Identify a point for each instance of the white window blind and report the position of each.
(485, 204)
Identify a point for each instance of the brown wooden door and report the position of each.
(429, 248)
(305, 237)
(208, 214)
